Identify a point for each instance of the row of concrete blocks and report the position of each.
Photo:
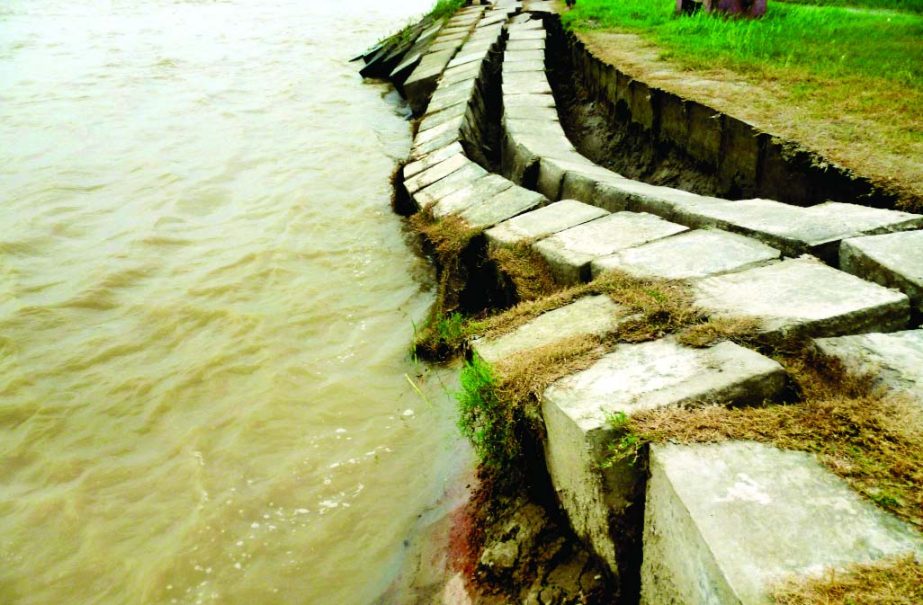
(429, 57)
(537, 154)
(665, 373)
(721, 523)
(442, 177)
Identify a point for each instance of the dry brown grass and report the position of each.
(526, 270)
(892, 582)
(441, 336)
(658, 307)
(523, 378)
(866, 437)
(742, 330)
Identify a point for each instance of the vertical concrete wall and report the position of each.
(748, 162)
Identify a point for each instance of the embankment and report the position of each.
(612, 292)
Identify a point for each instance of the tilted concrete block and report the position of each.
(503, 206)
(602, 501)
(895, 360)
(894, 260)
(588, 316)
(728, 523)
(803, 298)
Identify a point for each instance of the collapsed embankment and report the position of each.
(627, 291)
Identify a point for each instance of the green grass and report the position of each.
(829, 41)
(913, 6)
(446, 8)
(487, 422)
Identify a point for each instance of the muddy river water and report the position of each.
(205, 307)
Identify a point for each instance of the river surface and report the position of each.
(205, 307)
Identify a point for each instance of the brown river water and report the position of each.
(205, 307)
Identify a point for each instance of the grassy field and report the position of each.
(913, 6)
(828, 41)
(856, 65)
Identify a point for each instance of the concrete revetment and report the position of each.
(718, 523)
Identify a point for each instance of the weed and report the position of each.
(484, 419)
(625, 445)
(446, 8)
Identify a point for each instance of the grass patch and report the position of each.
(488, 424)
(444, 9)
(868, 438)
(446, 330)
(823, 40)
(892, 582)
(910, 6)
(526, 270)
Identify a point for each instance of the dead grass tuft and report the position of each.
(742, 330)
(526, 270)
(444, 332)
(843, 418)
(523, 378)
(892, 582)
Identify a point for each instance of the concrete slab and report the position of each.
(431, 144)
(804, 298)
(436, 173)
(459, 179)
(727, 523)
(689, 255)
(524, 117)
(519, 66)
(665, 202)
(794, 230)
(583, 184)
(449, 126)
(447, 45)
(422, 82)
(451, 95)
(526, 34)
(438, 118)
(558, 159)
(894, 260)
(543, 222)
(469, 56)
(444, 153)
(631, 379)
(588, 316)
(476, 192)
(540, 6)
(570, 252)
(511, 56)
(463, 73)
(503, 206)
(895, 359)
(525, 86)
(526, 45)
(528, 100)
